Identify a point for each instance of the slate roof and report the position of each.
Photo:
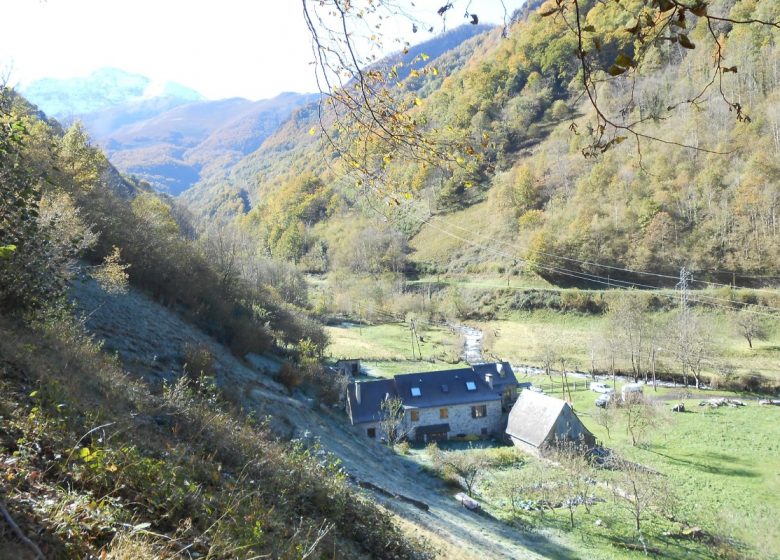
(372, 393)
(501, 371)
(533, 417)
(444, 388)
(436, 388)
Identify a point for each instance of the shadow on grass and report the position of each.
(728, 469)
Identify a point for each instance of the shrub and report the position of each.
(402, 448)
(198, 361)
(290, 376)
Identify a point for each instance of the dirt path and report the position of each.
(150, 341)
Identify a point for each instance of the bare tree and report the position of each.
(639, 491)
(606, 416)
(547, 357)
(750, 326)
(573, 485)
(393, 423)
(465, 466)
(640, 416)
(690, 339)
(627, 314)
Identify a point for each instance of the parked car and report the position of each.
(600, 387)
(603, 400)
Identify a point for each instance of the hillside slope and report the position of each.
(150, 341)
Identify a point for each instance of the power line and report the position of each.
(600, 265)
(620, 284)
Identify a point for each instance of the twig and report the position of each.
(19, 534)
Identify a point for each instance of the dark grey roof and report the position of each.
(432, 429)
(372, 393)
(502, 372)
(437, 388)
(444, 388)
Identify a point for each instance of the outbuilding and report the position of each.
(538, 422)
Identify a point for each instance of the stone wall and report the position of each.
(460, 419)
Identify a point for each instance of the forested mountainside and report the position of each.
(532, 188)
(179, 467)
(178, 147)
(292, 150)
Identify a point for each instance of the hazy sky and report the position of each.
(221, 48)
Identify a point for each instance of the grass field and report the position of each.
(521, 338)
(386, 349)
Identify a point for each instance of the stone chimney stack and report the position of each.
(500, 369)
(357, 391)
(489, 379)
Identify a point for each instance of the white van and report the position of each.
(631, 390)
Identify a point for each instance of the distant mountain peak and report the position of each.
(102, 89)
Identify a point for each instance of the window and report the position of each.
(444, 413)
(484, 431)
(414, 415)
(479, 411)
(471, 386)
(445, 388)
(416, 392)
(371, 432)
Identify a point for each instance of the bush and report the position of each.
(199, 361)
(290, 376)
(402, 448)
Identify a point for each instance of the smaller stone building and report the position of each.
(439, 405)
(538, 422)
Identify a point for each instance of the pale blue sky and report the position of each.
(222, 48)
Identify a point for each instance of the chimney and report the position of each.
(500, 369)
(489, 379)
(357, 391)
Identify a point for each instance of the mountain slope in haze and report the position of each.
(172, 149)
(102, 89)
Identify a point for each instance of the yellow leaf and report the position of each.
(417, 101)
(312, 131)
(435, 71)
(112, 468)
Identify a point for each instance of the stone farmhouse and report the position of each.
(438, 405)
(538, 422)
